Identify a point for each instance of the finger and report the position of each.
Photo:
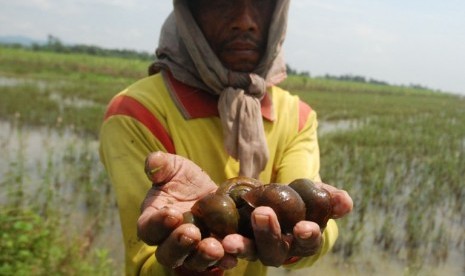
(307, 239)
(183, 178)
(342, 204)
(340, 200)
(240, 246)
(272, 248)
(159, 167)
(208, 252)
(180, 243)
(154, 226)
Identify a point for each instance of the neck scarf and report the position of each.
(184, 51)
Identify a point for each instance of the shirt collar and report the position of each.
(196, 103)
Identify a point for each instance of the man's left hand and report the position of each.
(274, 248)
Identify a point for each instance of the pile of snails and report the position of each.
(229, 209)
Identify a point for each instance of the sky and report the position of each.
(400, 42)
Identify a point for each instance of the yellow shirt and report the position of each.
(159, 113)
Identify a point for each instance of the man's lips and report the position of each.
(241, 46)
(240, 54)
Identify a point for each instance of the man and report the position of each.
(211, 111)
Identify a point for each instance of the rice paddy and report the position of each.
(399, 152)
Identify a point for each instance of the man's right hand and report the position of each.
(177, 184)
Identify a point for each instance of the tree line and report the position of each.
(54, 44)
(351, 78)
(347, 77)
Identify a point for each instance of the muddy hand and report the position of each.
(177, 184)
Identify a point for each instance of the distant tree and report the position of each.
(54, 44)
(304, 74)
(378, 82)
(347, 77)
(418, 86)
(290, 71)
(356, 78)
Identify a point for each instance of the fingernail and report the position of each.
(305, 235)
(261, 222)
(151, 171)
(185, 241)
(170, 221)
(232, 251)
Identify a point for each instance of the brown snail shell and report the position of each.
(317, 201)
(236, 187)
(229, 209)
(286, 202)
(217, 214)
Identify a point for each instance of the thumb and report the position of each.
(162, 168)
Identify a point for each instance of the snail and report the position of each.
(317, 201)
(228, 210)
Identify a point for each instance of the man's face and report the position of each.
(237, 30)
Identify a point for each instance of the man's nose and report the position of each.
(245, 18)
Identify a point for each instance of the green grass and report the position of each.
(43, 198)
(336, 100)
(403, 162)
(77, 67)
(403, 165)
(41, 77)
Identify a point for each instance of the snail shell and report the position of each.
(238, 186)
(216, 214)
(317, 201)
(286, 202)
(229, 209)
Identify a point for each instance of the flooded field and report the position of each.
(44, 157)
(399, 152)
(42, 168)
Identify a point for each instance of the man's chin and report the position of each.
(241, 66)
(245, 68)
(240, 62)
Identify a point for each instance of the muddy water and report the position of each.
(15, 81)
(33, 147)
(36, 154)
(325, 127)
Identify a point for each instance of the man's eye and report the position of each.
(222, 4)
(262, 5)
(263, 2)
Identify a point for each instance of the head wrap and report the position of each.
(184, 50)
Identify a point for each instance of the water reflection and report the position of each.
(15, 81)
(53, 91)
(34, 159)
(325, 127)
